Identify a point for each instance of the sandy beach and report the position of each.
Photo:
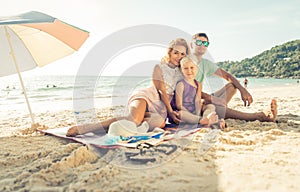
(246, 156)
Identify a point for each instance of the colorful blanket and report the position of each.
(103, 140)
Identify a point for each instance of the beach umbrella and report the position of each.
(35, 39)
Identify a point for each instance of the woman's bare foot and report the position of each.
(72, 132)
(271, 114)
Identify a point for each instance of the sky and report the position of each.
(236, 29)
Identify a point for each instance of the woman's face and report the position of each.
(176, 54)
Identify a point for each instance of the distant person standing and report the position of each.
(245, 82)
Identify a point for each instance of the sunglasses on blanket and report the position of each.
(199, 43)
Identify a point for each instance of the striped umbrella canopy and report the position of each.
(35, 39)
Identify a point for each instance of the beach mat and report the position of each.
(141, 154)
(102, 140)
(98, 140)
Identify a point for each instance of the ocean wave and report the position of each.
(59, 88)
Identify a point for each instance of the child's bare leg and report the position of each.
(207, 109)
(209, 114)
(210, 119)
(188, 117)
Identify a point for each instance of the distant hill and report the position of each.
(281, 61)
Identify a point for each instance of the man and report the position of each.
(245, 83)
(222, 97)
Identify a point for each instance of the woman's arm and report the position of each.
(159, 84)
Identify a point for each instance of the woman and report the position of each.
(151, 104)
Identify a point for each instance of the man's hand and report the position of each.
(246, 97)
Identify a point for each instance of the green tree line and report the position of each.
(281, 61)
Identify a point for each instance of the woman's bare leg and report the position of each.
(137, 110)
(154, 120)
(85, 128)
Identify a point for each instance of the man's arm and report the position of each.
(246, 96)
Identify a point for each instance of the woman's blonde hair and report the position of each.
(172, 45)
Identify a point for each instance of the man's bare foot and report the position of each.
(219, 125)
(271, 114)
(222, 124)
(72, 132)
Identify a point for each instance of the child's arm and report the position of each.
(198, 102)
(179, 96)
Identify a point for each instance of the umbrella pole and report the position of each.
(19, 74)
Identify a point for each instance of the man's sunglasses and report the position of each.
(199, 43)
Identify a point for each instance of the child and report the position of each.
(187, 98)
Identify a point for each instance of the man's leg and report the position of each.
(209, 116)
(226, 92)
(268, 115)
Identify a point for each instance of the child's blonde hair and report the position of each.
(186, 59)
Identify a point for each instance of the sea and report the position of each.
(53, 93)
